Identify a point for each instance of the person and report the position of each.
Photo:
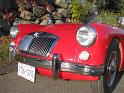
(8, 10)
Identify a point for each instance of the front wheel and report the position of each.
(107, 81)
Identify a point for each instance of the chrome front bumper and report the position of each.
(63, 66)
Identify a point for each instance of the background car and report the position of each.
(93, 52)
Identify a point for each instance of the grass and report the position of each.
(108, 17)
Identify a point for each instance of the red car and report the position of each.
(93, 52)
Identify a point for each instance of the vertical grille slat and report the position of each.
(49, 43)
(43, 44)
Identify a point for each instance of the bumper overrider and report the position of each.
(56, 65)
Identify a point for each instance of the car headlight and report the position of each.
(14, 31)
(86, 35)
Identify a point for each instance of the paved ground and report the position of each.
(11, 83)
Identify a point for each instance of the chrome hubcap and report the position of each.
(112, 68)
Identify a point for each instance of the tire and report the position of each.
(107, 82)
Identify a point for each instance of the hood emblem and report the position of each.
(36, 35)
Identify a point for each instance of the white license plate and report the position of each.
(26, 71)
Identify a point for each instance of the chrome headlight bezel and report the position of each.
(14, 31)
(86, 35)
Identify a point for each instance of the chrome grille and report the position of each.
(42, 44)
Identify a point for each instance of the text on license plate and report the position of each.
(26, 71)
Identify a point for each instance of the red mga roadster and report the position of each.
(93, 52)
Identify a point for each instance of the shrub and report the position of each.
(80, 12)
(4, 50)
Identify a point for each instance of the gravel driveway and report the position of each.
(11, 83)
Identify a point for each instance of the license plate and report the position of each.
(26, 71)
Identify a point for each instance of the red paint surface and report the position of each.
(66, 75)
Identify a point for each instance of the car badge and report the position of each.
(36, 35)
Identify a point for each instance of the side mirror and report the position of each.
(120, 22)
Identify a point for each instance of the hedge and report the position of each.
(4, 49)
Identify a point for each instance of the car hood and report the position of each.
(66, 45)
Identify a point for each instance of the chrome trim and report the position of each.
(83, 69)
(52, 46)
(14, 31)
(55, 66)
(12, 48)
(12, 52)
(93, 30)
(64, 66)
(34, 62)
(26, 43)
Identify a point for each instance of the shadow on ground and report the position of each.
(119, 77)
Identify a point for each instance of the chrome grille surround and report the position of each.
(41, 45)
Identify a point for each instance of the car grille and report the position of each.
(42, 44)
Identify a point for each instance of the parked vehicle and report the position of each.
(93, 52)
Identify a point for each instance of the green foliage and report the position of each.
(108, 10)
(80, 11)
(109, 13)
(108, 20)
(121, 13)
(108, 17)
(122, 4)
(112, 9)
(115, 5)
(4, 51)
(101, 4)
